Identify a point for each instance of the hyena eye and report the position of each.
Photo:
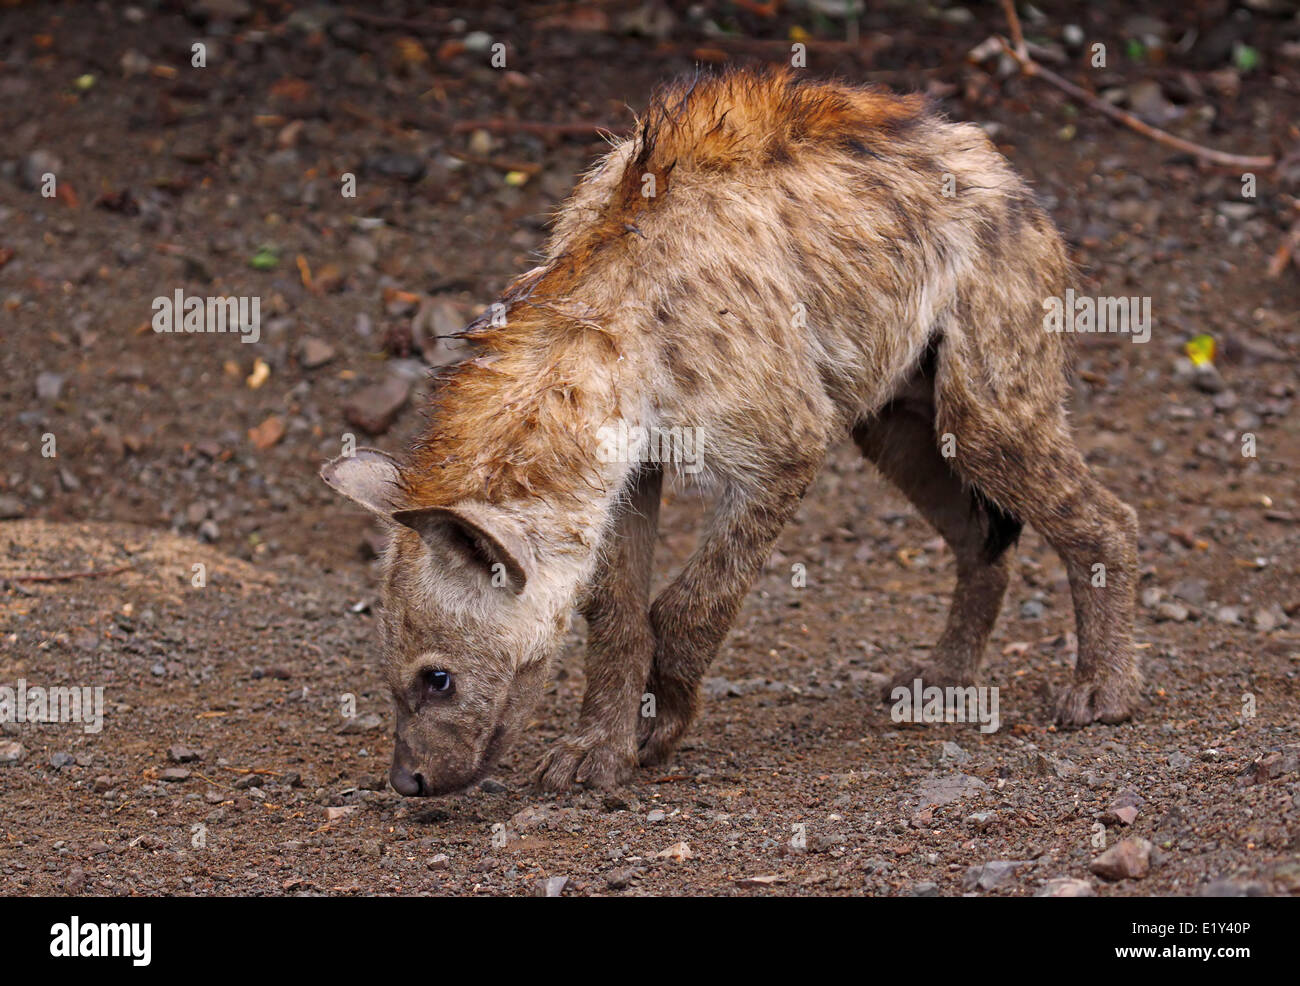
(436, 682)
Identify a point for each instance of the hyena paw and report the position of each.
(591, 761)
(1109, 700)
(938, 674)
(659, 735)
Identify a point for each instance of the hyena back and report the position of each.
(778, 263)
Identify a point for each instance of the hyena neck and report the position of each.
(517, 425)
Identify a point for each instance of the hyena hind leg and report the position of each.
(902, 443)
(1031, 466)
(620, 647)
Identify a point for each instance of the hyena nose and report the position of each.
(405, 783)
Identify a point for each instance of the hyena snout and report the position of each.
(423, 776)
(447, 746)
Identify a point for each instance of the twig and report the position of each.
(1286, 252)
(404, 23)
(385, 125)
(542, 129)
(1016, 49)
(69, 576)
(527, 167)
(1017, 35)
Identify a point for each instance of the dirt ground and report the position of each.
(226, 765)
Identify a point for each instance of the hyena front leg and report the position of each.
(620, 647)
(692, 615)
(902, 444)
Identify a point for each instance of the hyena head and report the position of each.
(465, 650)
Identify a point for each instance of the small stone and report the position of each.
(179, 753)
(60, 760)
(1048, 766)
(11, 507)
(621, 879)
(1172, 612)
(949, 788)
(11, 752)
(657, 815)
(174, 775)
(1129, 859)
(361, 724)
(49, 386)
(1066, 887)
(374, 409)
(678, 852)
(268, 433)
(950, 752)
(1190, 591)
(924, 890)
(1031, 609)
(552, 886)
(1264, 620)
(1230, 615)
(403, 167)
(994, 873)
(439, 862)
(313, 353)
(75, 882)
(35, 166)
(334, 812)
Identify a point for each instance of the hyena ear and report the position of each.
(480, 534)
(368, 477)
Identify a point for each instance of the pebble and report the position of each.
(11, 507)
(361, 724)
(622, 878)
(313, 352)
(1172, 612)
(1129, 859)
(374, 409)
(552, 886)
(11, 752)
(1066, 887)
(678, 852)
(1031, 609)
(950, 752)
(948, 788)
(994, 873)
(36, 165)
(404, 167)
(49, 386)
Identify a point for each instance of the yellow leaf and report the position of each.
(261, 373)
(1200, 350)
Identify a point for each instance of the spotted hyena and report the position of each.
(777, 263)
